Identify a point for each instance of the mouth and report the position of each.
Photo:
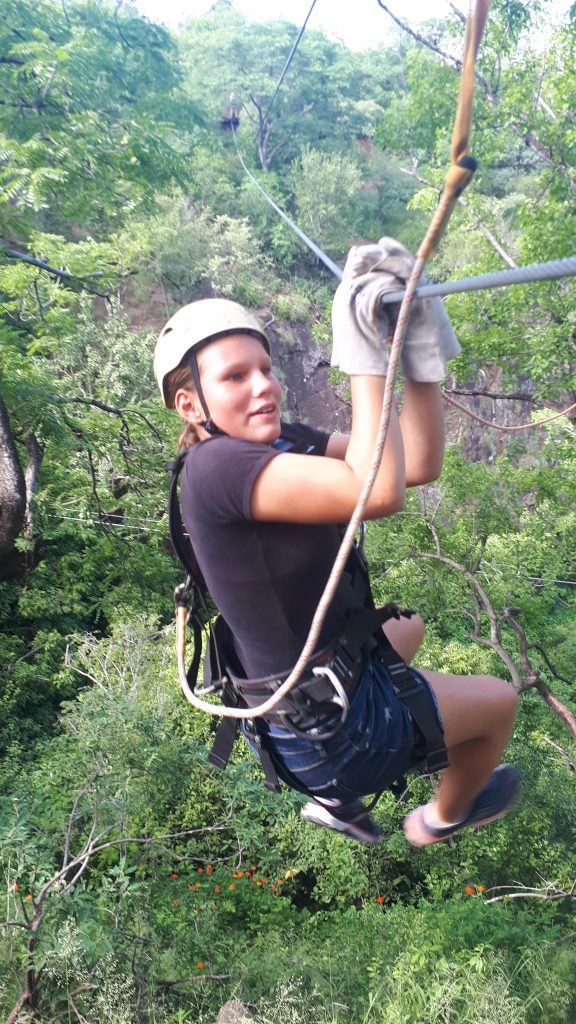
(265, 410)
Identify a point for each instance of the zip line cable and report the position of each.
(551, 271)
(333, 267)
(288, 62)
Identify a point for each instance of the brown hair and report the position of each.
(182, 377)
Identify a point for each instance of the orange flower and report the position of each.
(253, 867)
(469, 890)
(259, 884)
(16, 887)
(280, 881)
(200, 965)
(231, 886)
(379, 899)
(247, 873)
(28, 897)
(216, 888)
(175, 901)
(200, 870)
(174, 875)
(481, 888)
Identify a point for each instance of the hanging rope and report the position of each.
(458, 177)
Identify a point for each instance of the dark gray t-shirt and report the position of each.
(265, 578)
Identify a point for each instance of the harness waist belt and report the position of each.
(324, 691)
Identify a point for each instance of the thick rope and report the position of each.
(458, 177)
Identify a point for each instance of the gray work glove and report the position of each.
(362, 325)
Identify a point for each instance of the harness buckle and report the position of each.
(405, 683)
(340, 698)
(204, 690)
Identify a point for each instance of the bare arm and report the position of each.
(300, 489)
(422, 428)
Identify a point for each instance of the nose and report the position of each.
(260, 383)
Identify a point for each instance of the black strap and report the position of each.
(180, 540)
(224, 740)
(411, 690)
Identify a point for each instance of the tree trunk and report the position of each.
(32, 477)
(12, 487)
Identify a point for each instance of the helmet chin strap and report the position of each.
(211, 428)
(208, 424)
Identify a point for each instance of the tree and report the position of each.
(522, 196)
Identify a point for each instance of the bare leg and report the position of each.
(405, 635)
(478, 714)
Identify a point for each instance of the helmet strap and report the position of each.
(208, 424)
(211, 428)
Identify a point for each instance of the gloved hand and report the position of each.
(362, 325)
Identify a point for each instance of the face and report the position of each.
(240, 390)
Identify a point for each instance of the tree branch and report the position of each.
(58, 272)
(512, 396)
(565, 756)
(479, 223)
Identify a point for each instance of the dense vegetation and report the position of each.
(138, 884)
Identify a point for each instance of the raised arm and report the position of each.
(293, 488)
(422, 430)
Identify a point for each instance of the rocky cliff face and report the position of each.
(302, 368)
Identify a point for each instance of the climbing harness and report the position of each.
(319, 706)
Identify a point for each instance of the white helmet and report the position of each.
(194, 326)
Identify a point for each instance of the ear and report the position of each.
(188, 406)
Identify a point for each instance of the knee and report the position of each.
(405, 635)
(419, 628)
(504, 695)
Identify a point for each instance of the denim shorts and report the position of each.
(377, 743)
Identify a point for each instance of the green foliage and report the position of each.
(329, 198)
(92, 113)
(113, 170)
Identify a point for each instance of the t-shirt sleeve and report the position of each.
(303, 438)
(220, 474)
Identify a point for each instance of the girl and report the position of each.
(263, 519)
